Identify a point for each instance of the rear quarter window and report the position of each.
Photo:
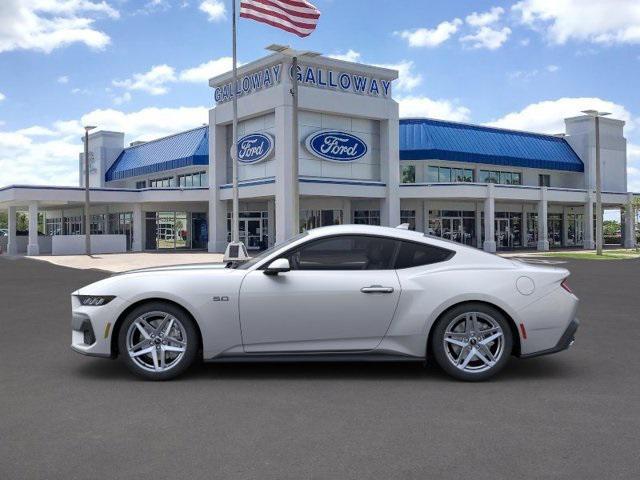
(412, 254)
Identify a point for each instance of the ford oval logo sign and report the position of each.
(336, 146)
(255, 147)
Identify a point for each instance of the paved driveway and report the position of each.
(575, 415)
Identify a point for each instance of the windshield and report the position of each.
(257, 259)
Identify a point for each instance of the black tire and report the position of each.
(189, 331)
(445, 355)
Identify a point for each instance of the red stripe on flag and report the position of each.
(296, 16)
(274, 24)
(307, 13)
(272, 13)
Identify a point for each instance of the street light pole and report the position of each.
(87, 217)
(596, 115)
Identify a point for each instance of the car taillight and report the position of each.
(566, 286)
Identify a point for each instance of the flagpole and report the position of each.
(235, 230)
(295, 187)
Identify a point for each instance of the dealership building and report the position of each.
(489, 188)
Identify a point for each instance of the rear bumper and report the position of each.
(566, 340)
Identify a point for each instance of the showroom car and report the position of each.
(338, 293)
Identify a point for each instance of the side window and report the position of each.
(345, 252)
(413, 254)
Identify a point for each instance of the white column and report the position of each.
(543, 240)
(284, 199)
(390, 173)
(218, 209)
(346, 211)
(489, 244)
(629, 224)
(33, 247)
(589, 242)
(138, 220)
(271, 226)
(12, 246)
(478, 225)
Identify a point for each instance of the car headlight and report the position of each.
(94, 300)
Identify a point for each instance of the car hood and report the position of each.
(177, 268)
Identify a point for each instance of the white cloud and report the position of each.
(203, 72)
(120, 99)
(552, 68)
(63, 79)
(487, 37)
(424, 37)
(526, 75)
(548, 116)
(486, 18)
(154, 81)
(420, 106)
(349, 56)
(214, 9)
(525, 42)
(2, 96)
(45, 25)
(407, 78)
(595, 21)
(48, 155)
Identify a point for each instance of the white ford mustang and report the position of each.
(337, 293)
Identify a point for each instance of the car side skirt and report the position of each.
(315, 357)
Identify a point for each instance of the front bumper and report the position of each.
(92, 327)
(566, 340)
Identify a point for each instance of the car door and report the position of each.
(340, 295)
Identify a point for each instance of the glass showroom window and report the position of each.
(408, 174)
(141, 184)
(408, 216)
(98, 223)
(73, 225)
(456, 225)
(310, 219)
(544, 180)
(446, 174)
(190, 180)
(122, 224)
(366, 217)
(162, 182)
(53, 226)
(503, 178)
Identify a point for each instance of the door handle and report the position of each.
(376, 289)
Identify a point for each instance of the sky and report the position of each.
(142, 66)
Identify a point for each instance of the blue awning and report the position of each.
(183, 149)
(427, 139)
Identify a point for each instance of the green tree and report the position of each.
(3, 220)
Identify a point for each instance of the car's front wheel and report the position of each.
(158, 341)
(472, 341)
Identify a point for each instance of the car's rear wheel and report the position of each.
(158, 341)
(472, 341)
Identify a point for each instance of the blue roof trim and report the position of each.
(427, 139)
(181, 150)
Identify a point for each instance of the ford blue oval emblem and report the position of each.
(255, 147)
(336, 146)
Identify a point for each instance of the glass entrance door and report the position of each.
(504, 237)
(452, 229)
(251, 233)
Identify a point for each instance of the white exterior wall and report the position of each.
(581, 135)
(104, 148)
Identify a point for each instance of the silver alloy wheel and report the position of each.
(474, 342)
(156, 341)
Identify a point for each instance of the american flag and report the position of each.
(294, 16)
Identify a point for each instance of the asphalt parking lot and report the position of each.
(575, 415)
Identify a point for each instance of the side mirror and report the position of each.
(279, 265)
